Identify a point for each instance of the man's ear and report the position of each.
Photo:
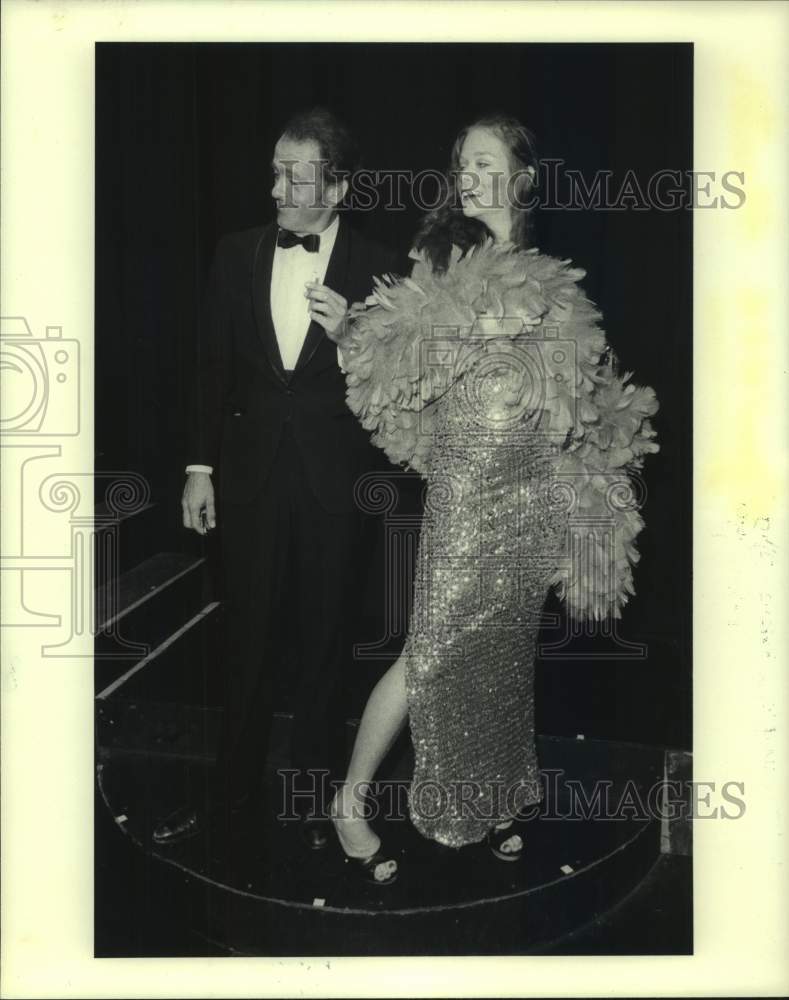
(336, 191)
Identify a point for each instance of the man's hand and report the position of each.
(325, 306)
(198, 496)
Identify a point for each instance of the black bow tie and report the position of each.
(286, 239)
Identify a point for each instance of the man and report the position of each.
(272, 425)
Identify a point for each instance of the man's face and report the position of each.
(304, 202)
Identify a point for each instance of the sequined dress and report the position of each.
(495, 382)
(488, 546)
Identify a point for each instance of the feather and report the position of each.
(602, 417)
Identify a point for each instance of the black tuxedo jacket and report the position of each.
(245, 397)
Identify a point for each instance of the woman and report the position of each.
(487, 373)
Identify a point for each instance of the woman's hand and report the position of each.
(327, 308)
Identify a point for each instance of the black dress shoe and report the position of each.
(187, 821)
(314, 834)
(179, 825)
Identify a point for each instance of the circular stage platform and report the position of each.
(259, 891)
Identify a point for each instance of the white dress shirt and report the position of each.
(291, 269)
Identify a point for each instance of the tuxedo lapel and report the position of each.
(336, 277)
(261, 298)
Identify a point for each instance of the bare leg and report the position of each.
(383, 718)
(384, 715)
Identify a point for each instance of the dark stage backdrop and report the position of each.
(184, 135)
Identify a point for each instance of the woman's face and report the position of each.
(484, 173)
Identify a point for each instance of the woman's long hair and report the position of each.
(447, 225)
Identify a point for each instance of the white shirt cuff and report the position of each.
(200, 468)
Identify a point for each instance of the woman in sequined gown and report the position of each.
(482, 576)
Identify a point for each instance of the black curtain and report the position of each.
(184, 134)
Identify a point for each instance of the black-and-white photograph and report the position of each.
(393, 480)
(393, 458)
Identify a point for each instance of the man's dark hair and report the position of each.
(339, 151)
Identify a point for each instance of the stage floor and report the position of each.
(585, 885)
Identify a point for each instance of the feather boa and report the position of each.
(601, 418)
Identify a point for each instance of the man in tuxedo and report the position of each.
(272, 427)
